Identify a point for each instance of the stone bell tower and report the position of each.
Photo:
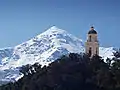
(92, 44)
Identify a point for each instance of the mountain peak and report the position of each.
(54, 27)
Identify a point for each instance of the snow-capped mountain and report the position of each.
(43, 48)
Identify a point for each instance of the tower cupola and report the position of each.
(92, 30)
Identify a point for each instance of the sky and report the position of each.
(20, 20)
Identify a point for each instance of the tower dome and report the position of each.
(92, 31)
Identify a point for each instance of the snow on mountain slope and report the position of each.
(5, 52)
(43, 48)
(106, 52)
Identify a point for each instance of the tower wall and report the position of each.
(92, 44)
(94, 48)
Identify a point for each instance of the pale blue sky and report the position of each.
(21, 20)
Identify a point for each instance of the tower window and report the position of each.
(90, 51)
(90, 38)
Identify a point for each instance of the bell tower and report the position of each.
(92, 44)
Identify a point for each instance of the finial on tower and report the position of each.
(92, 27)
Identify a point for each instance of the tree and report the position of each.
(25, 69)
